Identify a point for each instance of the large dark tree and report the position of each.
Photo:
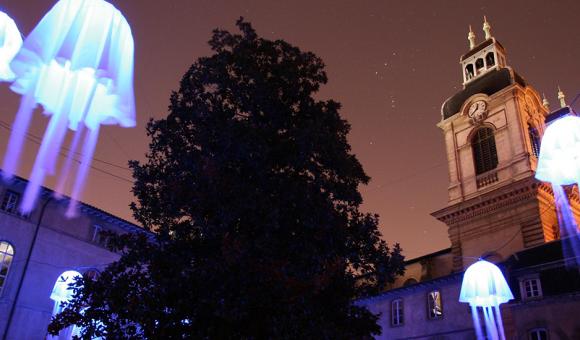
(251, 189)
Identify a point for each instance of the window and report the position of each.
(10, 201)
(478, 64)
(490, 59)
(434, 305)
(409, 282)
(98, 236)
(91, 274)
(531, 288)
(6, 256)
(484, 151)
(62, 292)
(397, 316)
(538, 334)
(469, 72)
(534, 140)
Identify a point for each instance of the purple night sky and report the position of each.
(391, 64)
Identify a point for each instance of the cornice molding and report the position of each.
(491, 201)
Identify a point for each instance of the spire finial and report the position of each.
(486, 28)
(471, 38)
(545, 102)
(561, 97)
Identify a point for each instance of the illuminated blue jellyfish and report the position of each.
(559, 161)
(10, 43)
(78, 64)
(484, 286)
(559, 164)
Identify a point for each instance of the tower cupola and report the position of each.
(482, 58)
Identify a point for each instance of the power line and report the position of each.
(37, 140)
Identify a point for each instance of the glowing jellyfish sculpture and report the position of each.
(10, 43)
(559, 164)
(485, 287)
(78, 64)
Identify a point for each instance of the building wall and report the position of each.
(455, 324)
(503, 214)
(555, 310)
(558, 315)
(425, 268)
(62, 244)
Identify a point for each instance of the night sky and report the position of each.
(390, 63)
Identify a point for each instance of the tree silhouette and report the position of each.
(251, 189)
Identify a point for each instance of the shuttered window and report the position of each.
(6, 256)
(397, 316)
(484, 151)
(534, 140)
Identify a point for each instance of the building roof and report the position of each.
(489, 83)
(480, 47)
(558, 113)
(553, 262)
(546, 259)
(91, 210)
(427, 256)
(550, 252)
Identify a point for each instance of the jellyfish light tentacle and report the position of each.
(559, 164)
(78, 64)
(485, 287)
(11, 42)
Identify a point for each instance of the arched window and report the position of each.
(410, 281)
(490, 59)
(6, 256)
(484, 151)
(534, 140)
(478, 64)
(469, 73)
(91, 274)
(62, 292)
(538, 334)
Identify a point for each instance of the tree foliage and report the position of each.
(251, 189)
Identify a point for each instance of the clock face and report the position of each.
(477, 109)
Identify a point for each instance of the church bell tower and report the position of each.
(492, 130)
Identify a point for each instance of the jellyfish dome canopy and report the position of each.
(559, 161)
(484, 285)
(10, 43)
(79, 47)
(77, 63)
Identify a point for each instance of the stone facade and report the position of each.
(496, 210)
(552, 308)
(61, 244)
